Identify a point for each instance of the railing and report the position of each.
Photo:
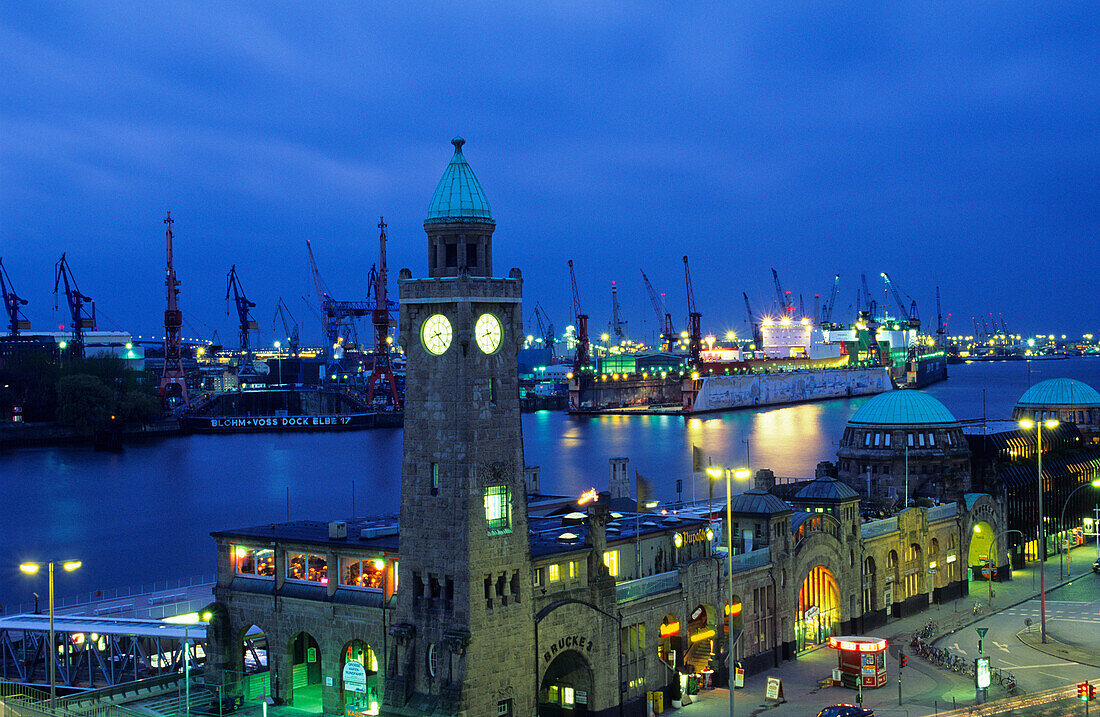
(942, 512)
(751, 559)
(875, 528)
(643, 587)
(18, 700)
(147, 589)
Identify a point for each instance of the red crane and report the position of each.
(580, 358)
(380, 317)
(695, 320)
(172, 388)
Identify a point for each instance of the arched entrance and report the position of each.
(818, 609)
(668, 640)
(983, 547)
(251, 671)
(359, 681)
(305, 670)
(702, 635)
(566, 687)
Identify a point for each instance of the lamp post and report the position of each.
(278, 350)
(1027, 424)
(1061, 521)
(740, 474)
(51, 653)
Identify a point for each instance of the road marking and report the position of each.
(1057, 677)
(1074, 619)
(959, 649)
(1033, 667)
(1003, 648)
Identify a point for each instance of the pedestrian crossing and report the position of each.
(1064, 610)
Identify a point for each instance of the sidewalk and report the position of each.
(926, 690)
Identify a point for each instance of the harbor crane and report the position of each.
(17, 321)
(909, 314)
(290, 328)
(664, 318)
(245, 321)
(754, 325)
(380, 318)
(827, 310)
(941, 324)
(695, 320)
(82, 317)
(867, 297)
(786, 308)
(580, 356)
(616, 326)
(333, 313)
(172, 387)
(546, 328)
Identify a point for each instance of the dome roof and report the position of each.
(458, 197)
(826, 488)
(759, 502)
(903, 407)
(1060, 392)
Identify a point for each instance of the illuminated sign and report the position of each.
(287, 423)
(703, 635)
(576, 642)
(670, 629)
(735, 610)
(703, 535)
(858, 644)
(982, 676)
(588, 496)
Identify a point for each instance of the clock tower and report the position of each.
(463, 627)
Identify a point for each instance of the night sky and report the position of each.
(947, 144)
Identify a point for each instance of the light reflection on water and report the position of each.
(147, 513)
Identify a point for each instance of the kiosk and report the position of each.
(861, 660)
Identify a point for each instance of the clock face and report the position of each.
(435, 334)
(488, 333)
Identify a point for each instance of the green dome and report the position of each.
(459, 198)
(903, 407)
(1060, 392)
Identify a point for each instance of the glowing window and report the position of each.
(498, 509)
(572, 569)
(553, 573)
(363, 572)
(307, 568)
(611, 560)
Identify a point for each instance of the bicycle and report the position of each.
(978, 608)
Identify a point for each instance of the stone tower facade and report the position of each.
(463, 628)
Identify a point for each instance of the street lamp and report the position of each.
(1027, 424)
(278, 346)
(51, 653)
(1061, 521)
(715, 473)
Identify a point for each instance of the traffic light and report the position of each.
(903, 659)
(1092, 691)
(1083, 691)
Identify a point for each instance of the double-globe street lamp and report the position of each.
(1027, 424)
(716, 472)
(51, 652)
(1061, 521)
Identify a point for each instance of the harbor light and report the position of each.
(29, 568)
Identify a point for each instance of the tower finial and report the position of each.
(458, 142)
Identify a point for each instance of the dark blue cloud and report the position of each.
(947, 145)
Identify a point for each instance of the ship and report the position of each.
(796, 361)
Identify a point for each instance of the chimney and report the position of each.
(599, 512)
(765, 479)
(531, 478)
(619, 484)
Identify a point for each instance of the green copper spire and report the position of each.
(459, 198)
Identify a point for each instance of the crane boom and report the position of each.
(245, 320)
(380, 317)
(779, 295)
(580, 357)
(827, 312)
(617, 324)
(754, 325)
(941, 328)
(12, 304)
(290, 328)
(695, 320)
(81, 317)
(172, 386)
(664, 318)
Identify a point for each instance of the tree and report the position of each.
(84, 402)
(137, 406)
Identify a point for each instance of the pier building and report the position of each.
(1064, 399)
(904, 444)
(483, 597)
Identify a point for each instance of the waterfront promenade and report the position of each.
(1073, 629)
